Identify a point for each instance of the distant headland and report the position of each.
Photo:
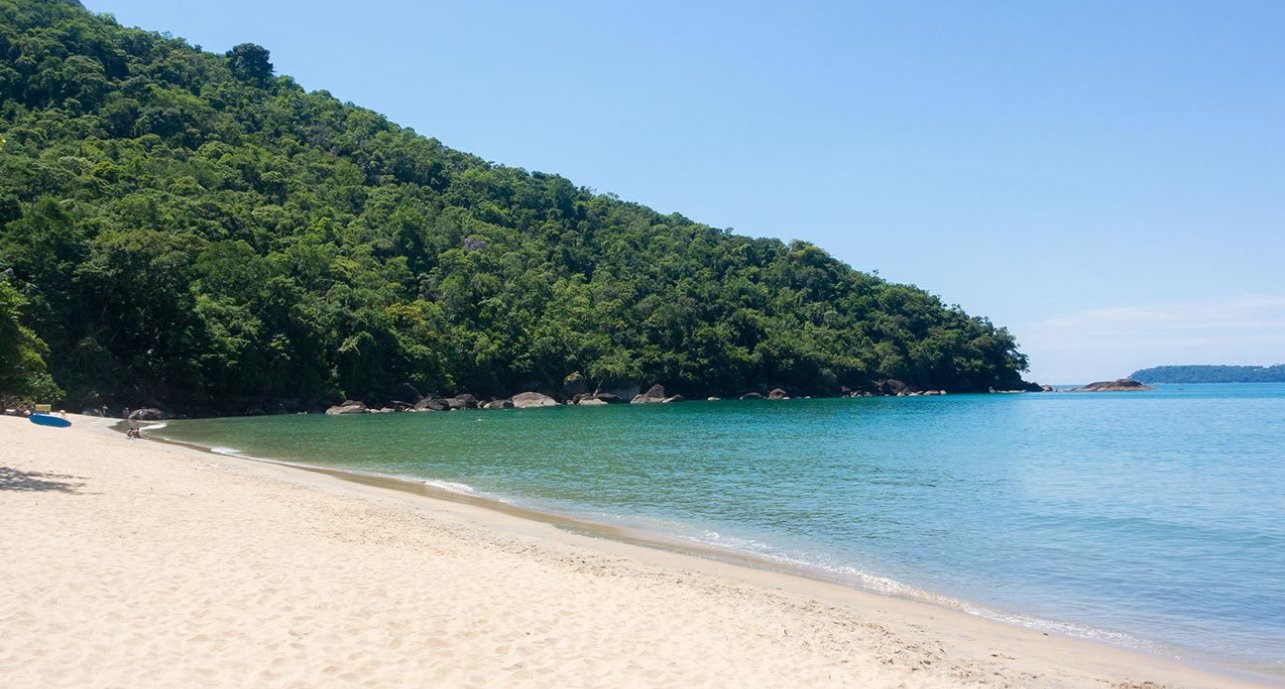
(1211, 374)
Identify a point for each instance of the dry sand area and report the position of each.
(140, 564)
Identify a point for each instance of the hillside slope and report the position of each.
(192, 230)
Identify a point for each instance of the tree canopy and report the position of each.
(188, 229)
(22, 363)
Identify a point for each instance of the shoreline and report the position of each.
(978, 647)
(653, 539)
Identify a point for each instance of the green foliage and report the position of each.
(249, 63)
(195, 232)
(22, 364)
(1211, 374)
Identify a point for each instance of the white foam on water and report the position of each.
(892, 587)
(451, 486)
(154, 427)
(1063, 628)
(230, 451)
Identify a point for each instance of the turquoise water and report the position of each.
(1154, 520)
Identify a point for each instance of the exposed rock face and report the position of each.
(348, 407)
(596, 399)
(751, 396)
(673, 398)
(1122, 385)
(498, 404)
(654, 395)
(892, 387)
(432, 404)
(778, 394)
(527, 400)
(574, 384)
(147, 414)
(461, 401)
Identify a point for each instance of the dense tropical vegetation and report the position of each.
(1211, 374)
(188, 229)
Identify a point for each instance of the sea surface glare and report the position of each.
(1150, 519)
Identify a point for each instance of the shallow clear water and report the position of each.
(1152, 519)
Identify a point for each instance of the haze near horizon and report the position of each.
(1100, 179)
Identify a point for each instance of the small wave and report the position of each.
(1063, 628)
(231, 451)
(891, 587)
(154, 427)
(451, 486)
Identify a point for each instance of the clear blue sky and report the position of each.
(1107, 179)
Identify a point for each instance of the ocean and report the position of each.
(1152, 520)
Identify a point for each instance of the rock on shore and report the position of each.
(527, 400)
(654, 395)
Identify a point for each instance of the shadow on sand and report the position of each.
(34, 481)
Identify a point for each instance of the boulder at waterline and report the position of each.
(527, 400)
(573, 385)
(348, 407)
(432, 404)
(654, 395)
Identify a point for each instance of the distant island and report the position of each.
(1121, 385)
(1198, 373)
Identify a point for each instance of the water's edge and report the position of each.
(650, 538)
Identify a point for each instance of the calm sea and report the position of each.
(1154, 520)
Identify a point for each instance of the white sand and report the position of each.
(140, 564)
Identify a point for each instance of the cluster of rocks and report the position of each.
(892, 388)
(421, 404)
(575, 391)
(655, 395)
(775, 394)
(522, 400)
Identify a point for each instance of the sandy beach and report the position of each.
(144, 564)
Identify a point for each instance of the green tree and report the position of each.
(249, 63)
(22, 365)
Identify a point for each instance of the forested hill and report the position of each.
(188, 229)
(1211, 374)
